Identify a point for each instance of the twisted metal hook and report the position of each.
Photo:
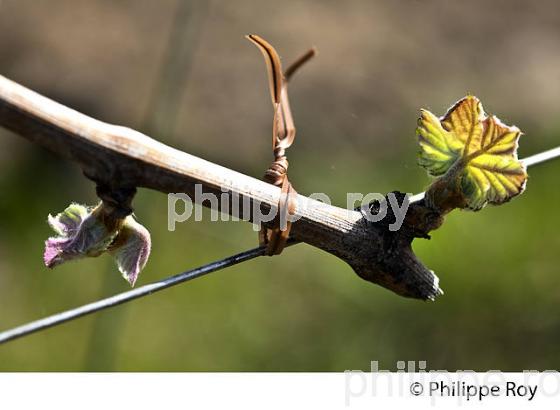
(283, 135)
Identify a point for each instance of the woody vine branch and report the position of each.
(472, 155)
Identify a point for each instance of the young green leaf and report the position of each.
(474, 155)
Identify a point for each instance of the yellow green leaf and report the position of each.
(473, 153)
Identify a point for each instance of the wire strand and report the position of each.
(541, 157)
(124, 297)
(530, 161)
(68, 315)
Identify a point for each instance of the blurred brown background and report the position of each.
(182, 72)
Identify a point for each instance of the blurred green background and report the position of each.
(183, 73)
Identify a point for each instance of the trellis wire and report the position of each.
(528, 162)
(124, 297)
(68, 315)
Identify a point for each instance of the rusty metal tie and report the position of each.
(283, 134)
